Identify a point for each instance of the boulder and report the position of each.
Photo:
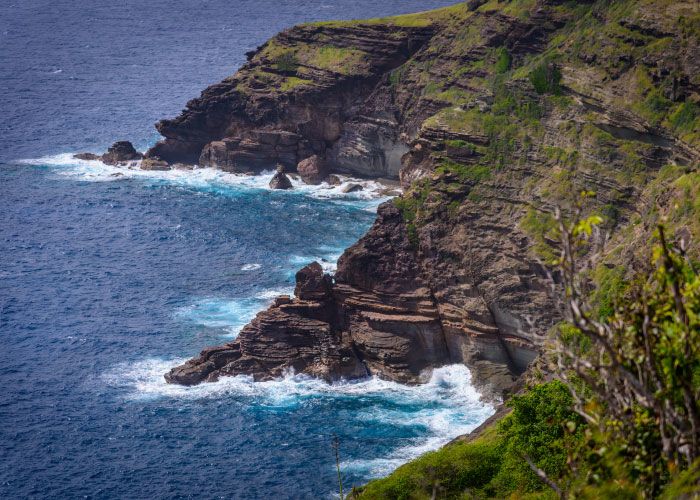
(280, 180)
(154, 164)
(334, 180)
(121, 152)
(352, 188)
(312, 283)
(313, 170)
(86, 156)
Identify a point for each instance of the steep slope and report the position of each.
(491, 113)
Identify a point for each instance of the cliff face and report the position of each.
(491, 113)
(293, 99)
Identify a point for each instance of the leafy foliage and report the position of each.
(640, 368)
(503, 61)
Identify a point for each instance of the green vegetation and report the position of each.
(293, 82)
(415, 20)
(543, 229)
(470, 173)
(546, 78)
(411, 204)
(541, 426)
(611, 287)
(286, 62)
(338, 59)
(458, 143)
(503, 61)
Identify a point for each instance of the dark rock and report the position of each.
(313, 170)
(86, 156)
(282, 300)
(352, 188)
(245, 122)
(280, 180)
(121, 152)
(312, 283)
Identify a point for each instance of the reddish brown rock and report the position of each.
(313, 170)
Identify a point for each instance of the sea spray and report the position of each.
(430, 414)
(209, 179)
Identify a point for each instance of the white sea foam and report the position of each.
(250, 267)
(229, 314)
(446, 406)
(206, 179)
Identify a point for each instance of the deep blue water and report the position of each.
(108, 280)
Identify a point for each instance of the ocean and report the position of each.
(110, 276)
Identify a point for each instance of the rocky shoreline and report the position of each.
(454, 270)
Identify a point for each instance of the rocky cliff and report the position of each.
(491, 114)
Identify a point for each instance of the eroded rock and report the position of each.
(280, 180)
(313, 170)
(154, 164)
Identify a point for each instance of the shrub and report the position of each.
(287, 62)
(546, 78)
(503, 61)
(641, 366)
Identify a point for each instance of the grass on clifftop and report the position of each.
(414, 20)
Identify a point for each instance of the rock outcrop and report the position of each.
(313, 170)
(119, 153)
(292, 100)
(280, 180)
(491, 116)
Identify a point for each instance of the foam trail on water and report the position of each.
(229, 314)
(209, 179)
(444, 408)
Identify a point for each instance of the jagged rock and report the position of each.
(154, 164)
(120, 152)
(280, 180)
(86, 156)
(300, 335)
(312, 283)
(353, 188)
(313, 170)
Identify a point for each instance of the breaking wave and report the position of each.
(443, 408)
(208, 179)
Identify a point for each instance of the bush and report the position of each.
(287, 62)
(641, 365)
(503, 61)
(545, 78)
